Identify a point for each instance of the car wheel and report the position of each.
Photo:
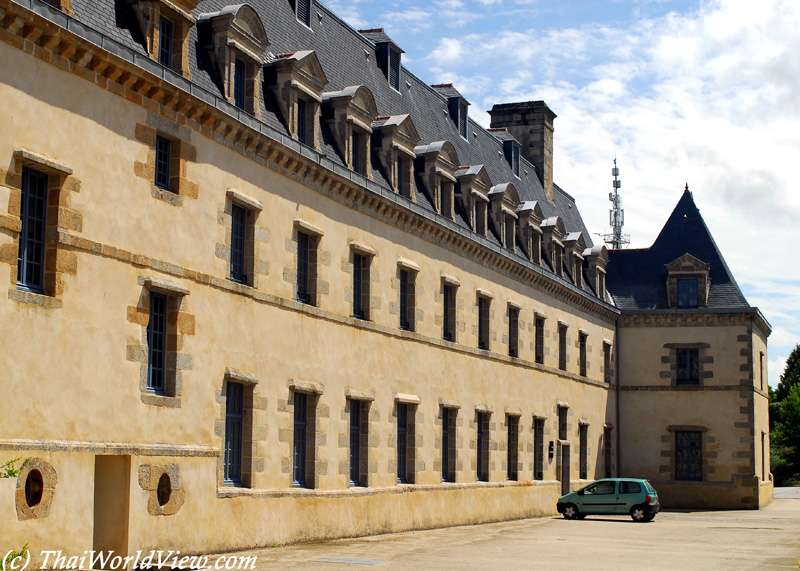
(638, 513)
(571, 512)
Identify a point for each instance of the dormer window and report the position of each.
(387, 53)
(350, 113)
(302, 10)
(688, 283)
(394, 68)
(394, 138)
(236, 40)
(301, 121)
(687, 294)
(515, 160)
(355, 147)
(165, 26)
(462, 118)
(457, 107)
(596, 259)
(504, 203)
(437, 163)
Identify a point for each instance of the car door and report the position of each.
(630, 494)
(599, 498)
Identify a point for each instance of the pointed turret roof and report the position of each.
(637, 278)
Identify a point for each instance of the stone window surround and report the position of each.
(687, 267)
(484, 412)
(455, 460)
(254, 235)
(315, 468)
(513, 309)
(414, 438)
(58, 262)
(253, 435)
(369, 302)
(149, 477)
(538, 419)
(668, 452)
(671, 359)
(490, 335)
(49, 482)
(180, 324)
(412, 270)
(317, 260)
(512, 416)
(368, 468)
(582, 344)
(149, 14)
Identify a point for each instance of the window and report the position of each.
(538, 448)
(239, 72)
(157, 343)
(607, 363)
(483, 322)
(687, 293)
(163, 156)
(300, 438)
(513, 447)
(406, 300)
(513, 331)
(358, 443)
(303, 11)
(562, 346)
(165, 43)
(303, 255)
(238, 227)
(449, 317)
(405, 444)
(761, 368)
(449, 444)
(394, 68)
(630, 488)
(688, 455)
(462, 119)
(584, 451)
(361, 265)
(607, 431)
(539, 341)
(234, 424)
(582, 348)
(33, 214)
(401, 183)
(562, 422)
(764, 469)
(355, 151)
(482, 466)
(515, 160)
(688, 361)
(301, 120)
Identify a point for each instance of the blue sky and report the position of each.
(705, 92)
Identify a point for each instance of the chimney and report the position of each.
(530, 123)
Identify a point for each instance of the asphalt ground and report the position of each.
(707, 540)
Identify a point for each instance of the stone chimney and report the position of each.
(530, 123)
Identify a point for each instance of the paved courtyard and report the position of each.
(765, 539)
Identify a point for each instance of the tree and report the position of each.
(787, 431)
(790, 376)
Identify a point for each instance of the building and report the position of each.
(267, 286)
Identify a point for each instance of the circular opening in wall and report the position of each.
(34, 486)
(164, 489)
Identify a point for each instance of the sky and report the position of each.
(704, 92)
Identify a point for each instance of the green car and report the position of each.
(611, 496)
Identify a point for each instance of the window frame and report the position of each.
(538, 448)
(688, 289)
(563, 426)
(234, 433)
(482, 441)
(239, 84)
(406, 287)
(302, 289)
(166, 49)
(513, 331)
(238, 271)
(163, 157)
(687, 366)
(562, 346)
(582, 351)
(301, 6)
(393, 68)
(361, 280)
(583, 443)
(607, 362)
(512, 447)
(402, 413)
(157, 343)
(302, 121)
(539, 339)
(449, 428)
(356, 445)
(688, 465)
(484, 318)
(300, 440)
(32, 251)
(449, 312)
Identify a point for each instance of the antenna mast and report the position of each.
(616, 218)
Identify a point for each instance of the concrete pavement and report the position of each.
(765, 539)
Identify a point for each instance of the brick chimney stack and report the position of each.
(530, 123)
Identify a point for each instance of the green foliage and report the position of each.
(14, 554)
(8, 470)
(790, 376)
(787, 431)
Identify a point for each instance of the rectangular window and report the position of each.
(538, 449)
(688, 455)
(582, 348)
(539, 341)
(482, 468)
(234, 424)
(300, 438)
(303, 8)
(361, 286)
(394, 68)
(238, 83)
(303, 266)
(607, 363)
(401, 187)
(406, 300)
(449, 318)
(157, 343)
(356, 445)
(402, 443)
(515, 159)
(513, 331)
(584, 451)
(165, 43)
(355, 152)
(162, 162)
(687, 293)
(462, 119)
(449, 444)
(513, 447)
(483, 322)
(764, 469)
(238, 227)
(688, 363)
(562, 422)
(562, 346)
(607, 431)
(33, 214)
(761, 368)
(301, 120)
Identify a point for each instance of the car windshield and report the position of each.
(650, 487)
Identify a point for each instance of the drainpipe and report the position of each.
(617, 379)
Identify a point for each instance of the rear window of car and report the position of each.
(650, 487)
(629, 488)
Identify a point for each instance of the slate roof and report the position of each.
(637, 278)
(348, 58)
